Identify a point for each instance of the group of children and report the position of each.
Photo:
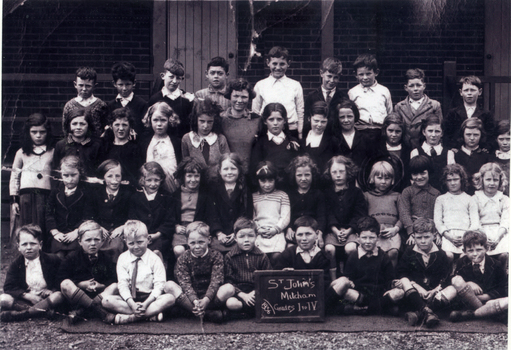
(179, 200)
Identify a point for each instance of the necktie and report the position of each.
(369, 254)
(229, 192)
(477, 271)
(93, 258)
(134, 279)
(328, 98)
(205, 151)
(111, 197)
(433, 152)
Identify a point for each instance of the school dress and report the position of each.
(181, 103)
(383, 207)
(89, 152)
(310, 204)
(328, 147)
(471, 162)
(206, 150)
(193, 202)
(456, 116)
(279, 155)
(137, 106)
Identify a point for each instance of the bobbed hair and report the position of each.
(351, 168)
(35, 119)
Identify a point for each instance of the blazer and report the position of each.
(360, 150)
(181, 105)
(456, 116)
(110, 215)
(15, 280)
(315, 96)
(66, 214)
(77, 267)
(328, 147)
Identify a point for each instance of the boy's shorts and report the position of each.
(141, 297)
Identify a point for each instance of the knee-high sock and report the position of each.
(468, 296)
(184, 302)
(491, 308)
(79, 298)
(41, 306)
(414, 300)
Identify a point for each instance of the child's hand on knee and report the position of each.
(248, 298)
(475, 287)
(180, 229)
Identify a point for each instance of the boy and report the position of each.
(470, 90)
(417, 200)
(217, 72)
(85, 83)
(416, 107)
(141, 278)
(86, 273)
(240, 263)
(123, 75)
(30, 288)
(180, 101)
(372, 99)
(368, 274)
(479, 281)
(422, 270)
(279, 88)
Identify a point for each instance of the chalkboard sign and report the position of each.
(290, 296)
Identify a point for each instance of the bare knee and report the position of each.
(330, 249)
(450, 256)
(179, 250)
(167, 300)
(350, 248)
(225, 291)
(340, 285)
(6, 301)
(172, 288)
(458, 282)
(234, 304)
(67, 287)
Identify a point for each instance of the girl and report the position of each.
(455, 211)
(502, 154)
(158, 145)
(353, 144)
(110, 206)
(205, 142)
(30, 186)
(470, 155)
(381, 202)
(68, 205)
(79, 141)
(305, 198)
(432, 132)
(345, 204)
(274, 143)
(229, 200)
(271, 212)
(191, 200)
(493, 207)
(117, 144)
(153, 206)
(319, 142)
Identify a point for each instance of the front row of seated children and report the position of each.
(207, 286)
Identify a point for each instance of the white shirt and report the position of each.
(308, 255)
(86, 102)
(362, 252)
(349, 139)
(34, 275)
(313, 140)
(425, 256)
(438, 148)
(150, 197)
(470, 110)
(198, 140)
(327, 93)
(416, 103)
(394, 148)
(124, 100)
(162, 151)
(374, 103)
(278, 139)
(176, 93)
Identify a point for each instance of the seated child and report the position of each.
(217, 72)
(199, 272)
(87, 275)
(502, 155)
(138, 293)
(240, 263)
(123, 79)
(368, 274)
(479, 281)
(278, 88)
(416, 106)
(31, 288)
(85, 83)
(421, 272)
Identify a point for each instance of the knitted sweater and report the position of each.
(99, 113)
(240, 267)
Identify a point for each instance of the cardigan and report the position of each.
(310, 204)
(215, 150)
(240, 267)
(77, 267)
(201, 213)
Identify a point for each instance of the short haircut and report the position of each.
(320, 107)
(366, 60)
(346, 103)
(164, 108)
(35, 119)
(278, 52)
(368, 223)
(306, 221)
(496, 171)
(470, 80)
(472, 238)
(332, 65)
(124, 71)
(73, 162)
(133, 228)
(175, 67)
(502, 127)
(86, 226)
(381, 168)
(243, 223)
(419, 164)
(393, 118)
(31, 229)
(415, 73)
(151, 168)
(79, 112)
(430, 119)
(87, 73)
(240, 84)
(351, 168)
(472, 123)
(106, 166)
(189, 165)
(206, 107)
(218, 62)
(455, 169)
(422, 225)
(121, 113)
(266, 170)
(301, 161)
(198, 226)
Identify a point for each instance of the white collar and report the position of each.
(172, 95)
(484, 199)
(150, 197)
(416, 102)
(108, 192)
(129, 98)
(33, 261)
(362, 252)
(143, 257)
(328, 93)
(434, 249)
(312, 252)
(503, 155)
(86, 101)
(393, 148)
(471, 108)
(203, 255)
(369, 88)
(38, 150)
(427, 148)
(230, 187)
(467, 151)
(278, 139)
(198, 141)
(69, 193)
(313, 140)
(274, 80)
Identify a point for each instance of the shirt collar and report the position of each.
(87, 101)
(245, 114)
(427, 148)
(313, 139)
(172, 95)
(278, 139)
(108, 192)
(434, 249)
(83, 143)
(68, 192)
(481, 264)
(394, 148)
(38, 150)
(129, 98)
(503, 155)
(312, 252)
(416, 102)
(212, 90)
(275, 80)
(467, 151)
(328, 93)
(143, 257)
(369, 88)
(428, 188)
(362, 252)
(33, 261)
(198, 141)
(150, 197)
(203, 255)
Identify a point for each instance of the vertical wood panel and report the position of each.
(173, 29)
(180, 17)
(206, 36)
(196, 48)
(223, 27)
(505, 67)
(215, 20)
(232, 41)
(160, 41)
(188, 47)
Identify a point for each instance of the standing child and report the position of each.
(272, 212)
(138, 293)
(85, 83)
(455, 211)
(229, 199)
(67, 207)
(217, 72)
(31, 288)
(372, 99)
(191, 201)
(432, 148)
(124, 81)
(199, 272)
(278, 88)
(205, 142)
(416, 106)
(240, 264)
(502, 154)
(30, 185)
